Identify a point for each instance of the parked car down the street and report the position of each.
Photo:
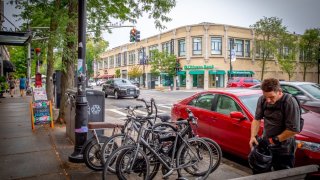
(226, 115)
(307, 92)
(136, 83)
(120, 88)
(243, 82)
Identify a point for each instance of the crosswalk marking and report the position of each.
(122, 112)
(164, 106)
(117, 111)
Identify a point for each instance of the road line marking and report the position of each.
(169, 107)
(117, 111)
(141, 112)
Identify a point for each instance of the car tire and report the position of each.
(116, 96)
(135, 97)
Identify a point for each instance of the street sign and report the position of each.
(233, 55)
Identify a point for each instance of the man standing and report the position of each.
(281, 115)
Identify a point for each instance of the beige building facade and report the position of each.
(203, 50)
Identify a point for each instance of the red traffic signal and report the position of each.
(38, 51)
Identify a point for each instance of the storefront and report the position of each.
(216, 78)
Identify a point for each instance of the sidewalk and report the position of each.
(43, 153)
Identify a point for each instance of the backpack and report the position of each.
(286, 97)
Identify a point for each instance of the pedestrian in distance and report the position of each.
(281, 114)
(12, 84)
(22, 85)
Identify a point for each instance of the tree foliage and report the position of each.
(135, 72)
(286, 55)
(161, 62)
(117, 73)
(267, 31)
(94, 47)
(309, 46)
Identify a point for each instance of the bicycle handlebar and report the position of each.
(191, 117)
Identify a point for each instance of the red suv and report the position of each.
(244, 82)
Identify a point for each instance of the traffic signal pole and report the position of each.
(81, 120)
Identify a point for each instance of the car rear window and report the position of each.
(313, 89)
(250, 102)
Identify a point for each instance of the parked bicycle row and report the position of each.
(148, 144)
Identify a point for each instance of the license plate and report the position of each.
(131, 92)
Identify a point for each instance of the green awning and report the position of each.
(195, 72)
(241, 72)
(181, 73)
(217, 72)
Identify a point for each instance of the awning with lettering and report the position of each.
(220, 72)
(241, 72)
(196, 72)
(181, 73)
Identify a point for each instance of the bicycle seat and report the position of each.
(164, 117)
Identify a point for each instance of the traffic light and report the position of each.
(32, 53)
(133, 35)
(137, 36)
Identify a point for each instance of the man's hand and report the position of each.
(253, 141)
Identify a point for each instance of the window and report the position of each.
(203, 101)
(216, 44)
(151, 50)
(239, 47)
(118, 60)
(247, 46)
(166, 47)
(226, 105)
(291, 90)
(124, 59)
(258, 49)
(132, 57)
(105, 63)
(100, 65)
(142, 56)
(182, 47)
(197, 46)
(111, 62)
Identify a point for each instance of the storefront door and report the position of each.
(200, 81)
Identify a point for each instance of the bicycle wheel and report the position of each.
(113, 143)
(132, 164)
(92, 155)
(216, 153)
(109, 166)
(195, 157)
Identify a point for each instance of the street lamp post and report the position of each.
(143, 62)
(81, 119)
(231, 48)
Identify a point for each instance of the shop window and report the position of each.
(216, 45)
(197, 46)
(182, 48)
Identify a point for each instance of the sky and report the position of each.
(297, 15)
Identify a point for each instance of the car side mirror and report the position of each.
(237, 115)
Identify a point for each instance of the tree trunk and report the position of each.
(69, 57)
(51, 45)
(304, 71)
(262, 70)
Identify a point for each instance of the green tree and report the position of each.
(117, 73)
(161, 62)
(95, 46)
(267, 31)
(286, 54)
(18, 58)
(135, 72)
(309, 46)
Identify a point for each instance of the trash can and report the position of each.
(96, 108)
(96, 112)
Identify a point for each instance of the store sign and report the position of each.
(198, 67)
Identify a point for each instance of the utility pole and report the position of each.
(81, 120)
